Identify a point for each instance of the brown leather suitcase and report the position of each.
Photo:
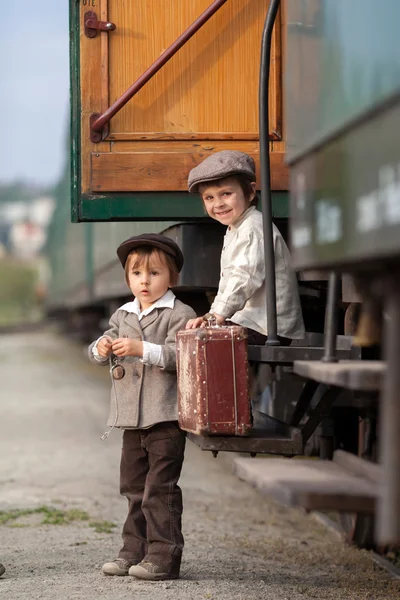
(213, 388)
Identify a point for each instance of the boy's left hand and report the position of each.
(127, 347)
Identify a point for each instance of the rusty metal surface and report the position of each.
(95, 136)
(303, 402)
(213, 387)
(320, 412)
(257, 442)
(95, 25)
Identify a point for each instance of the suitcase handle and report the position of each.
(210, 320)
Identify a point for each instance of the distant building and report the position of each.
(41, 210)
(26, 239)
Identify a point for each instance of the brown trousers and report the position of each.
(151, 464)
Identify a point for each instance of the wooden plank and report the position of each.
(358, 466)
(151, 171)
(185, 136)
(345, 499)
(312, 485)
(359, 375)
(196, 146)
(91, 82)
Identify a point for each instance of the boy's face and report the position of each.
(148, 279)
(225, 201)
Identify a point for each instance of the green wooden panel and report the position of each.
(75, 108)
(156, 207)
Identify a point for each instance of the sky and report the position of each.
(34, 89)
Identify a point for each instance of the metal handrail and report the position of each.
(265, 170)
(99, 123)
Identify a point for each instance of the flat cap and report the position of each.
(154, 240)
(220, 165)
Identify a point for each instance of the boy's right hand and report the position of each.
(104, 347)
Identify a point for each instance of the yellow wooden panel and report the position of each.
(209, 86)
(155, 171)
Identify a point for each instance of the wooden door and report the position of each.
(203, 100)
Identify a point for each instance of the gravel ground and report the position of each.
(239, 544)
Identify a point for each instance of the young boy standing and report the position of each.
(141, 341)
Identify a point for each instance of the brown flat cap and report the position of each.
(154, 240)
(220, 165)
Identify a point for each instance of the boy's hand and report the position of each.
(194, 323)
(201, 322)
(127, 347)
(104, 347)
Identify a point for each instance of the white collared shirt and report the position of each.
(242, 291)
(152, 353)
(166, 301)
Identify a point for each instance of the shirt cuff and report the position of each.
(222, 308)
(95, 352)
(152, 354)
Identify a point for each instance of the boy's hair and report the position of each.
(243, 181)
(150, 256)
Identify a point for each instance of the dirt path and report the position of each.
(239, 544)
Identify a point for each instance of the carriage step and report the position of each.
(287, 355)
(346, 484)
(361, 375)
(268, 436)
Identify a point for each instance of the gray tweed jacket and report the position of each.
(146, 395)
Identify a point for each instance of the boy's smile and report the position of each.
(225, 202)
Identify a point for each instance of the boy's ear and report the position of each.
(253, 189)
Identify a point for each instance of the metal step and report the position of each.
(268, 436)
(309, 348)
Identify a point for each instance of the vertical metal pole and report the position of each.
(388, 522)
(265, 169)
(331, 318)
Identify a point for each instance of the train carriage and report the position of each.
(157, 88)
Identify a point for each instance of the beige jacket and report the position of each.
(242, 291)
(147, 394)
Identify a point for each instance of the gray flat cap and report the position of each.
(222, 164)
